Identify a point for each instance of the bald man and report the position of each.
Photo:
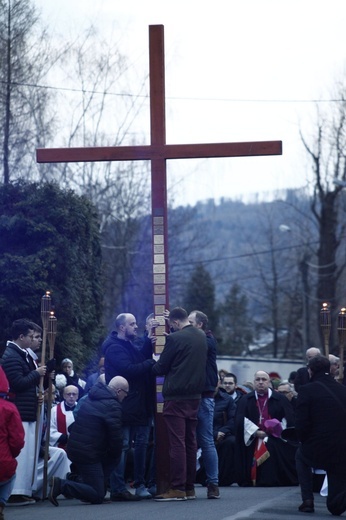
(95, 443)
(261, 415)
(62, 417)
(124, 358)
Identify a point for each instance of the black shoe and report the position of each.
(307, 506)
(125, 496)
(54, 491)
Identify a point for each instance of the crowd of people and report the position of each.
(89, 437)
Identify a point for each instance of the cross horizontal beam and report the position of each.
(166, 151)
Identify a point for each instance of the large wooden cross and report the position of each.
(158, 152)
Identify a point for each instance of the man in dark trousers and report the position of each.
(183, 363)
(95, 443)
(123, 358)
(321, 426)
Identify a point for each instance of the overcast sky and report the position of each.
(246, 70)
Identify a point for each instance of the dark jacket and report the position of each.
(279, 469)
(122, 358)
(301, 379)
(211, 367)
(24, 380)
(224, 413)
(183, 362)
(321, 422)
(96, 434)
(11, 432)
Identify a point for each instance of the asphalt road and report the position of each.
(235, 504)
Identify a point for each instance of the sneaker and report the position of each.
(190, 494)
(20, 500)
(54, 491)
(213, 491)
(124, 496)
(170, 495)
(307, 506)
(142, 492)
(152, 490)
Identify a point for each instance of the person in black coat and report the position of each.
(224, 436)
(321, 426)
(95, 443)
(258, 407)
(123, 358)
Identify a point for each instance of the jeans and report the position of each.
(140, 434)
(94, 486)
(6, 490)
(181, 421)
(205, 439)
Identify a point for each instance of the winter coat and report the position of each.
(24, 380)
(321, 422)
(183, 362)
(96, 434)
(224, 413)
(11, 432)
(122, 358)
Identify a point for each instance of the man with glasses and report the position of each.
(95, 443)
(62, 417)
(229, 383)
(24, 377)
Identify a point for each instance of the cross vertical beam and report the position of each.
(159, 233)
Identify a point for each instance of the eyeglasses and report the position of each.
(122, 390)
(71, 394)
(227, 384)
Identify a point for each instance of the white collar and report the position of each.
(270, 391)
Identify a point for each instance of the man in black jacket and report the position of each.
(321, 426)
(183, 363)
(123, 358)
(95, 443)
(24, 377)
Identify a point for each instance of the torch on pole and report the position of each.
(325, 323)
(51, 335)
(342, 341)
(45, 310)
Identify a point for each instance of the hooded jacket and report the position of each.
(123, 358)
(11, 432)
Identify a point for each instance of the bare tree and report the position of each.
(327, 153)
(25, 58)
